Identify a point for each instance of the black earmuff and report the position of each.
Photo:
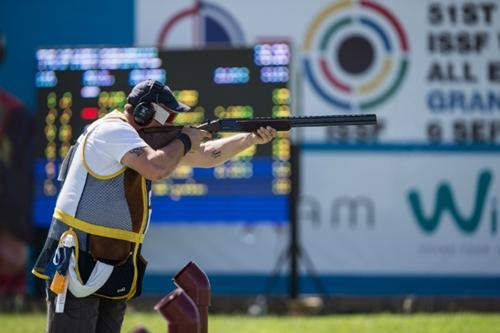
(143, 111)
(143, 114)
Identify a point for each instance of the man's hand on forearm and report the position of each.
(263, 135)
(215, 152)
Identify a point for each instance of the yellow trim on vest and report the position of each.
(75, 237)
(95, 175)
(145, 213)
(133, 288)
(116, 114)
(87, 167)
(72, 232)
(97, 229)
(39, 275)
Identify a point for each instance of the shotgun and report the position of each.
(158, 137)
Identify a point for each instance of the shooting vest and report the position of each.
(108, 214)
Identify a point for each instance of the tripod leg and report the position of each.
(320, 287)
(277, 268)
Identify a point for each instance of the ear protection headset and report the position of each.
(144, 112)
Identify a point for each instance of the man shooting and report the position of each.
(103, 208)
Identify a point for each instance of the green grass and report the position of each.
(371, 323)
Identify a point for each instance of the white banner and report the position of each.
(393, 213)
(216, 248)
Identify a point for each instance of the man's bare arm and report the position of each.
(154, 164)
(160, 163)
(216, 152)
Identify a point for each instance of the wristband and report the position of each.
(186, 141)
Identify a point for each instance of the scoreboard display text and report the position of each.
(76, 86)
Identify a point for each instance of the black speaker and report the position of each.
(143, 111)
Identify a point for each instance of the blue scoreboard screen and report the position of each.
(76, 86)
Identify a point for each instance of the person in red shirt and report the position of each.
(16, 142)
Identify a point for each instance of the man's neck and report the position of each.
(130, 120)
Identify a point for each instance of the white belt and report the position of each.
(97, 279)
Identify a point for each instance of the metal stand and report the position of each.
(294, 252)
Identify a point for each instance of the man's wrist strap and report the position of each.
(186, 141)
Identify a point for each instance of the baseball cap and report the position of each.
(151, 91)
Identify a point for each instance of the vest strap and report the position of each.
(98, 230)
(85, 164)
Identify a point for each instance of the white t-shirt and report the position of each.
(108, 143)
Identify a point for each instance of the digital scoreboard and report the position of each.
(76, 86)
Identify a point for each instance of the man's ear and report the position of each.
(128, 108)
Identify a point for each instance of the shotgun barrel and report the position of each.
(285, 123)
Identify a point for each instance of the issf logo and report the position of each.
(445, 201)
(356, 54)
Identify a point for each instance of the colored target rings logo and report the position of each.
(210, 24)
(356, 54)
